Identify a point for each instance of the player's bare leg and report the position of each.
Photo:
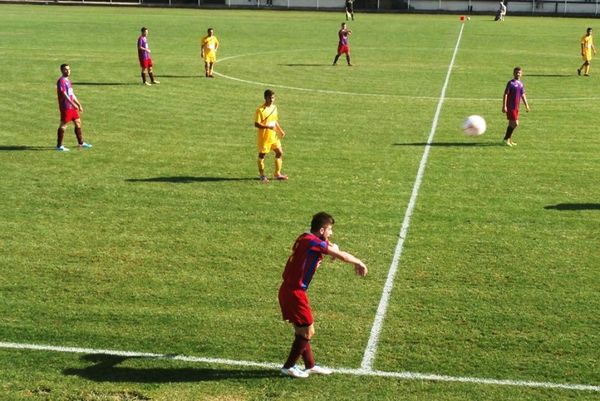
(261, 167)
(278, 165)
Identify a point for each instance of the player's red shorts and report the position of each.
(512, 115)
(146, 63)
(68, 115)
(343, 49)
(295, 307)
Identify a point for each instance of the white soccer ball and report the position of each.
(474, 126)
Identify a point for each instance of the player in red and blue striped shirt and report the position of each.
(513, 94)
(144, 57)
(300, 268)
(69, 107)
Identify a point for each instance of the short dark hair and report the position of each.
(268, 93)
(321, 220)
(517, 68)
(589, 29)
(209, 29)
(143, 29)
(62, 66)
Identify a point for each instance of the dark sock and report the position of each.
(79, 135)
(308, 357)
(298, 347)
(143, 77)
(336, 59)
(60, 134)
(509, 131)
(151, 77)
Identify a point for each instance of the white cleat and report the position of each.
(318, 370)
(294, 372)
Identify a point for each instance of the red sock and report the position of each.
(298, 347)
(308, 357)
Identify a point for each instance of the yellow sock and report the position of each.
(261, 166)
(278, 164)
(587, 69)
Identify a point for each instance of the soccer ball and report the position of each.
(474, 126)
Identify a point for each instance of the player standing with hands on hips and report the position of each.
(513, 94)
(269, 136)
(69, 107)
(307, 254)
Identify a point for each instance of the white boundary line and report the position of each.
(267, 365)
(371, 350)
(411, 97)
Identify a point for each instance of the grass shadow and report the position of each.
(305, 65)
(450, 144)
(106, 369)
(180, 76)
(189, 179)
(23, 147)
(573, 206)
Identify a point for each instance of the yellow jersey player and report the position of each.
(269, 136)
(587, 47)
(209, 45)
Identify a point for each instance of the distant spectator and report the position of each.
(501, 12)
(349, 9)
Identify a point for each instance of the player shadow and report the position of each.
(22, 147)
(105, 369)
(449, 144)
(180, 76)
(105, 84)
(188, 179)
(573, 206)
(304, 65)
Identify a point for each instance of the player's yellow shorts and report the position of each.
(587, 55)
(210, 57)
(267, 142)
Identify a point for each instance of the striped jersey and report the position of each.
(302, 264)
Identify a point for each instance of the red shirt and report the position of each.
(302, 264)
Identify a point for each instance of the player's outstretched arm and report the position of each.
(359, 266)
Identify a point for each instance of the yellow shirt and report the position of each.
(267, 138)
(209, 44)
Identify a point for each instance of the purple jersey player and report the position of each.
(513, 94)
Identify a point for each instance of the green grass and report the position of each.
(160, 239)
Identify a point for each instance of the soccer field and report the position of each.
(147, 267)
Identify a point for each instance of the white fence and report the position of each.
(523, 7)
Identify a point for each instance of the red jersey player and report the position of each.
(145, 58)
(69, 107)
(343, 46)
(302, 264)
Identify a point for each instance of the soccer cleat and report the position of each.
(147, 84)
(318, 370)
(586, 75)
(62, 149)
(281, 177)
(155, 82)
(513, 143)
(294, 372)
(578, 71)
(263, 178)
(85, 146)
(507, 143)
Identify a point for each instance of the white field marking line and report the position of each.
(334, 92)
(371, 349)
(276, 366)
